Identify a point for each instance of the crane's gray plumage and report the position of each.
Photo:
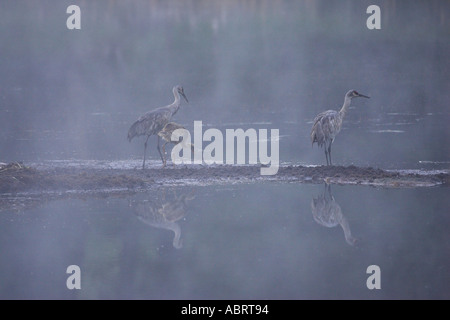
(166, 135)
(327, 124)
(152, 122)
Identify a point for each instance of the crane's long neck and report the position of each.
(175, 227)
(176, 104)
(344, 108)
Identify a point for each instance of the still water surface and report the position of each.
(244, 241)
(68, 98)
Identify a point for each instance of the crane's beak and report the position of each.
(182, 93)
(361, 95)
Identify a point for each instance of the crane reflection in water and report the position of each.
(328, 213)
(164, 213)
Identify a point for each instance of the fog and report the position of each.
(72, 94)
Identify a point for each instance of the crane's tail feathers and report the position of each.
(134, 130)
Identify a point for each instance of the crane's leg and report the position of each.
(160, 154)
(145, 151)
(329, 151)
(326, 153)
(164, 154)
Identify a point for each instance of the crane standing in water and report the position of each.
(153, 122)
(327, 124)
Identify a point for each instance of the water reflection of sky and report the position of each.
(241, 241)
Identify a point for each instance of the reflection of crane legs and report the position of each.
(327, 191)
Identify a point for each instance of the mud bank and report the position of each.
(16, 178)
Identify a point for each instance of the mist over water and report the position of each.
(68, 98)
(74, 93)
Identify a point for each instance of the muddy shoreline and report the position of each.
(18, 178)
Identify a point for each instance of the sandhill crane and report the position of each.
(164, 214)
(152, 122)
(166, 135)
(327, 212)
(327, 124)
